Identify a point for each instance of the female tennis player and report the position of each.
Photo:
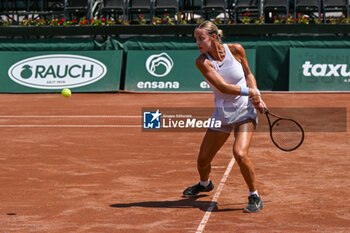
(226, 69)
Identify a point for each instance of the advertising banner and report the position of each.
(41, 72)
(319, 69)
(168, 71)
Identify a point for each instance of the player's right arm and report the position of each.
(211, 75)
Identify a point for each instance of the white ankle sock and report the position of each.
(255, 192)
(204, 183)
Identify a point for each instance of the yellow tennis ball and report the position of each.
(66, 93)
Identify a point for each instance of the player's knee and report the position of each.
(239, 155)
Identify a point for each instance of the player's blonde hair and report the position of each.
(211, 28)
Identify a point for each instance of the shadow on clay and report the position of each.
(190, 202)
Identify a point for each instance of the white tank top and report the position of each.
(231, 108)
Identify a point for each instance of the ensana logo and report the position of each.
(159, 65)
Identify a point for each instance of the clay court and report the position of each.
(83, 164)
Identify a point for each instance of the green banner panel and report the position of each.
(319, 69)
(44, 72)
(168, 71)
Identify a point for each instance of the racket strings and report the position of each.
(287, 134)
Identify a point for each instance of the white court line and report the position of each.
(216, 197)
(69, 116)
(70, 126)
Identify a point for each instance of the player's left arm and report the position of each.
(238, 51)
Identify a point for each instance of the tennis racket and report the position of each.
(287, 134)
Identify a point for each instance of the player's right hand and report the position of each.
(254, 96)
(261, 107)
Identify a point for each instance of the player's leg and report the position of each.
(212, 142)
(243, 137)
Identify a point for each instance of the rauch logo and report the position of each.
(57, 71)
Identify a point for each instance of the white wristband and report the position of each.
(245, 91)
